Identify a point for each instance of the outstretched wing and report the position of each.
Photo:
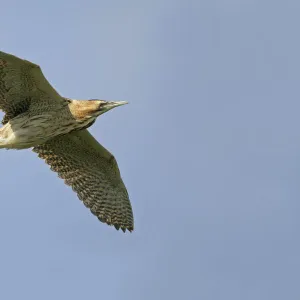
(93, 174)
(22, 83)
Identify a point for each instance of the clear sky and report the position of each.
(209, 149)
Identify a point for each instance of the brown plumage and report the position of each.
(37, 116)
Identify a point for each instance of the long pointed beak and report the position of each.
(111, 104)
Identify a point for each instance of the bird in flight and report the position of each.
(37, 117)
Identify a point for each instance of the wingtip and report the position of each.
(117, 226)
(124, 228)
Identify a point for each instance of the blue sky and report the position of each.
(209, 149)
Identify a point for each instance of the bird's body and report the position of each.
(37, 116)
(26, 131)
(33, 128)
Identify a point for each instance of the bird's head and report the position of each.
(91, 109)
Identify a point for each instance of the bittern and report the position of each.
(37, 117)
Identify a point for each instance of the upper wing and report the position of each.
(21, 83)
(93, 173)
